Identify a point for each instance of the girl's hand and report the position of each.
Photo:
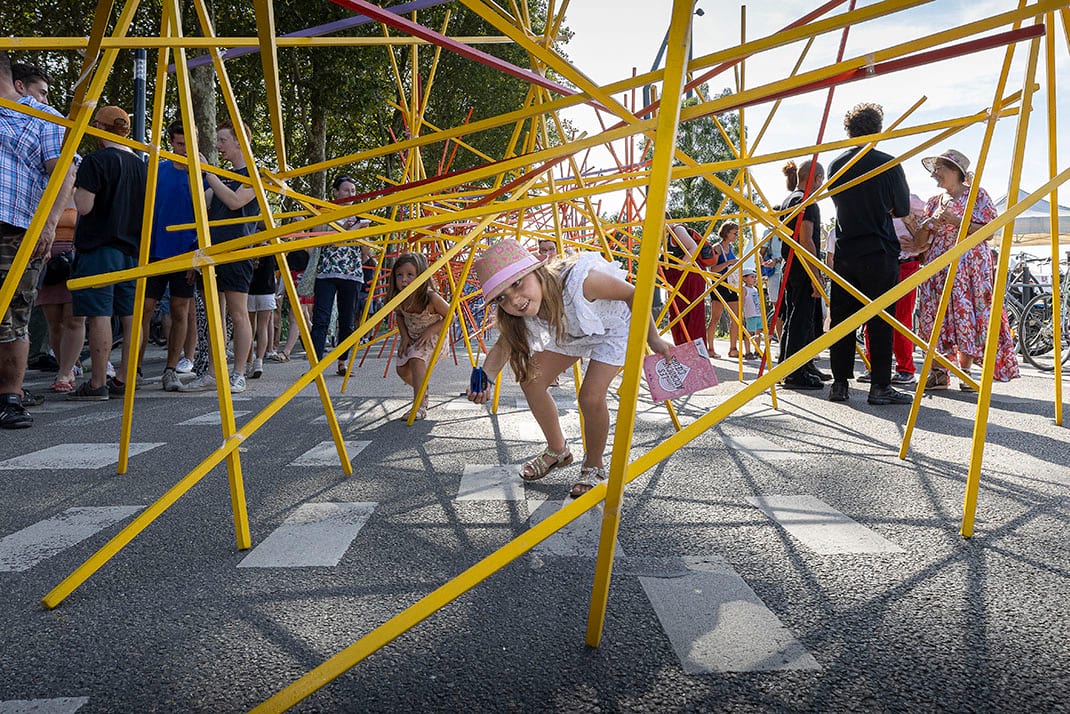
(479, 386)
(660, 346)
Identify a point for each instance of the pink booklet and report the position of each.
(688, 371)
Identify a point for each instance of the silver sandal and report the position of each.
(539, 466)
(590, 476)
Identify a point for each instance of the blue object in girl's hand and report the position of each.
(479, 381)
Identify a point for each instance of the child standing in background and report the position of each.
(752, 313)
(419, 321)
(550, 314)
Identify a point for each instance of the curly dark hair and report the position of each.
(863, 119)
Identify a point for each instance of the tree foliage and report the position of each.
(336, 101)
(704, 142)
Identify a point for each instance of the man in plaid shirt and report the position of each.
(29, 149)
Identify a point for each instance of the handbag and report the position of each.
(58, 268)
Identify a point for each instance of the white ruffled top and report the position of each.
(597, 329)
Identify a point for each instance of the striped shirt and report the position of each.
(26, 143)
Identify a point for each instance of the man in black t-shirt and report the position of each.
(109, 192)
(867, 254)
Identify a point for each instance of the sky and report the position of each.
(608, 43)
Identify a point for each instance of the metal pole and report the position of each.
(139, 96)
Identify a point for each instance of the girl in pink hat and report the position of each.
(549, 316)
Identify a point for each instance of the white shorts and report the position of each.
(261, 303)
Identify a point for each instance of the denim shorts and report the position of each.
(116, 299)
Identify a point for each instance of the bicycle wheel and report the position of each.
(1037, 333)
(1014, 320)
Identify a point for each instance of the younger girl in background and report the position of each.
(419, 321)
(549, 316)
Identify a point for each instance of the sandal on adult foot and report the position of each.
(539, 466)
(341, 369)
(589, 478)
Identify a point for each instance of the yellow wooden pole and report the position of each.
(265, 30)
(679, 39)
(1053, 213)
(995, 317)
(134, 344)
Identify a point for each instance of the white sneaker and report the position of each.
(204, 383)
(185, 366)
(256, 368)
(237, 383)
(110, 371)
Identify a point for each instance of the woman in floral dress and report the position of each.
(965, 327)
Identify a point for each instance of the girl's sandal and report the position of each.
(590, 476)
(538, 467)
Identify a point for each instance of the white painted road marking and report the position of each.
(324, 453)
(73, 456)
(26, 548)
(579, 538)
(316, 534)
(821, 527)
(716, 623)
(62, 705)
(761, 448)
(210, 419)
(490, 483)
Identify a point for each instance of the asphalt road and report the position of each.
(173, 624)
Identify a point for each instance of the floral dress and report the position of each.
(416, 323)
(597, 330)
(966, 324)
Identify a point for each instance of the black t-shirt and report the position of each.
(263, 282)
(217, 211)
(864, 212)
(117, 180)
(811, 213)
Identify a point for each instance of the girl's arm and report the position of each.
(402, 331)
(441, 308)
(601, 286)
(683, 239)
(492, 365)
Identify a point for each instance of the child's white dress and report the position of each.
(596, 330)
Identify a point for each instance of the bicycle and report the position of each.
(1022, 287)
(1036, 328)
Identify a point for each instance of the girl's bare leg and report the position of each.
(546, 366)
(592, 401)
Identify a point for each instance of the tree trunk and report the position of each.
(202, 90)
(317, 149)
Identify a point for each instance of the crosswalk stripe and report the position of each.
(577, 539)
(210, 419)
(490, 483)
(761, 448)
(60, 705)
(324, 453)
(821, 527)
(316, 534)
(716, 623)
(87, 419)
(73, 456)
(26, 548)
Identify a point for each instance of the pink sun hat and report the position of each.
(501, 264)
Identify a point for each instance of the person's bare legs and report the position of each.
(238, 305)
(412, 373)
(592, 402)
(54, 318)
(127, 322)
(263, 332)
(100, 349)
(146, 319)
(545, 366)
(13, 357)
(189, 348)
(716, 308)
(734, 342)
(71, 344)
(176, 336)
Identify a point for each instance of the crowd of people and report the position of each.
(552, 310)
(94, 226)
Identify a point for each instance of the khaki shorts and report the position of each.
(17, 318)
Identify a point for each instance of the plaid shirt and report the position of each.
(26, 143)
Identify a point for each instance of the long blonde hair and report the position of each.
(552, 309)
